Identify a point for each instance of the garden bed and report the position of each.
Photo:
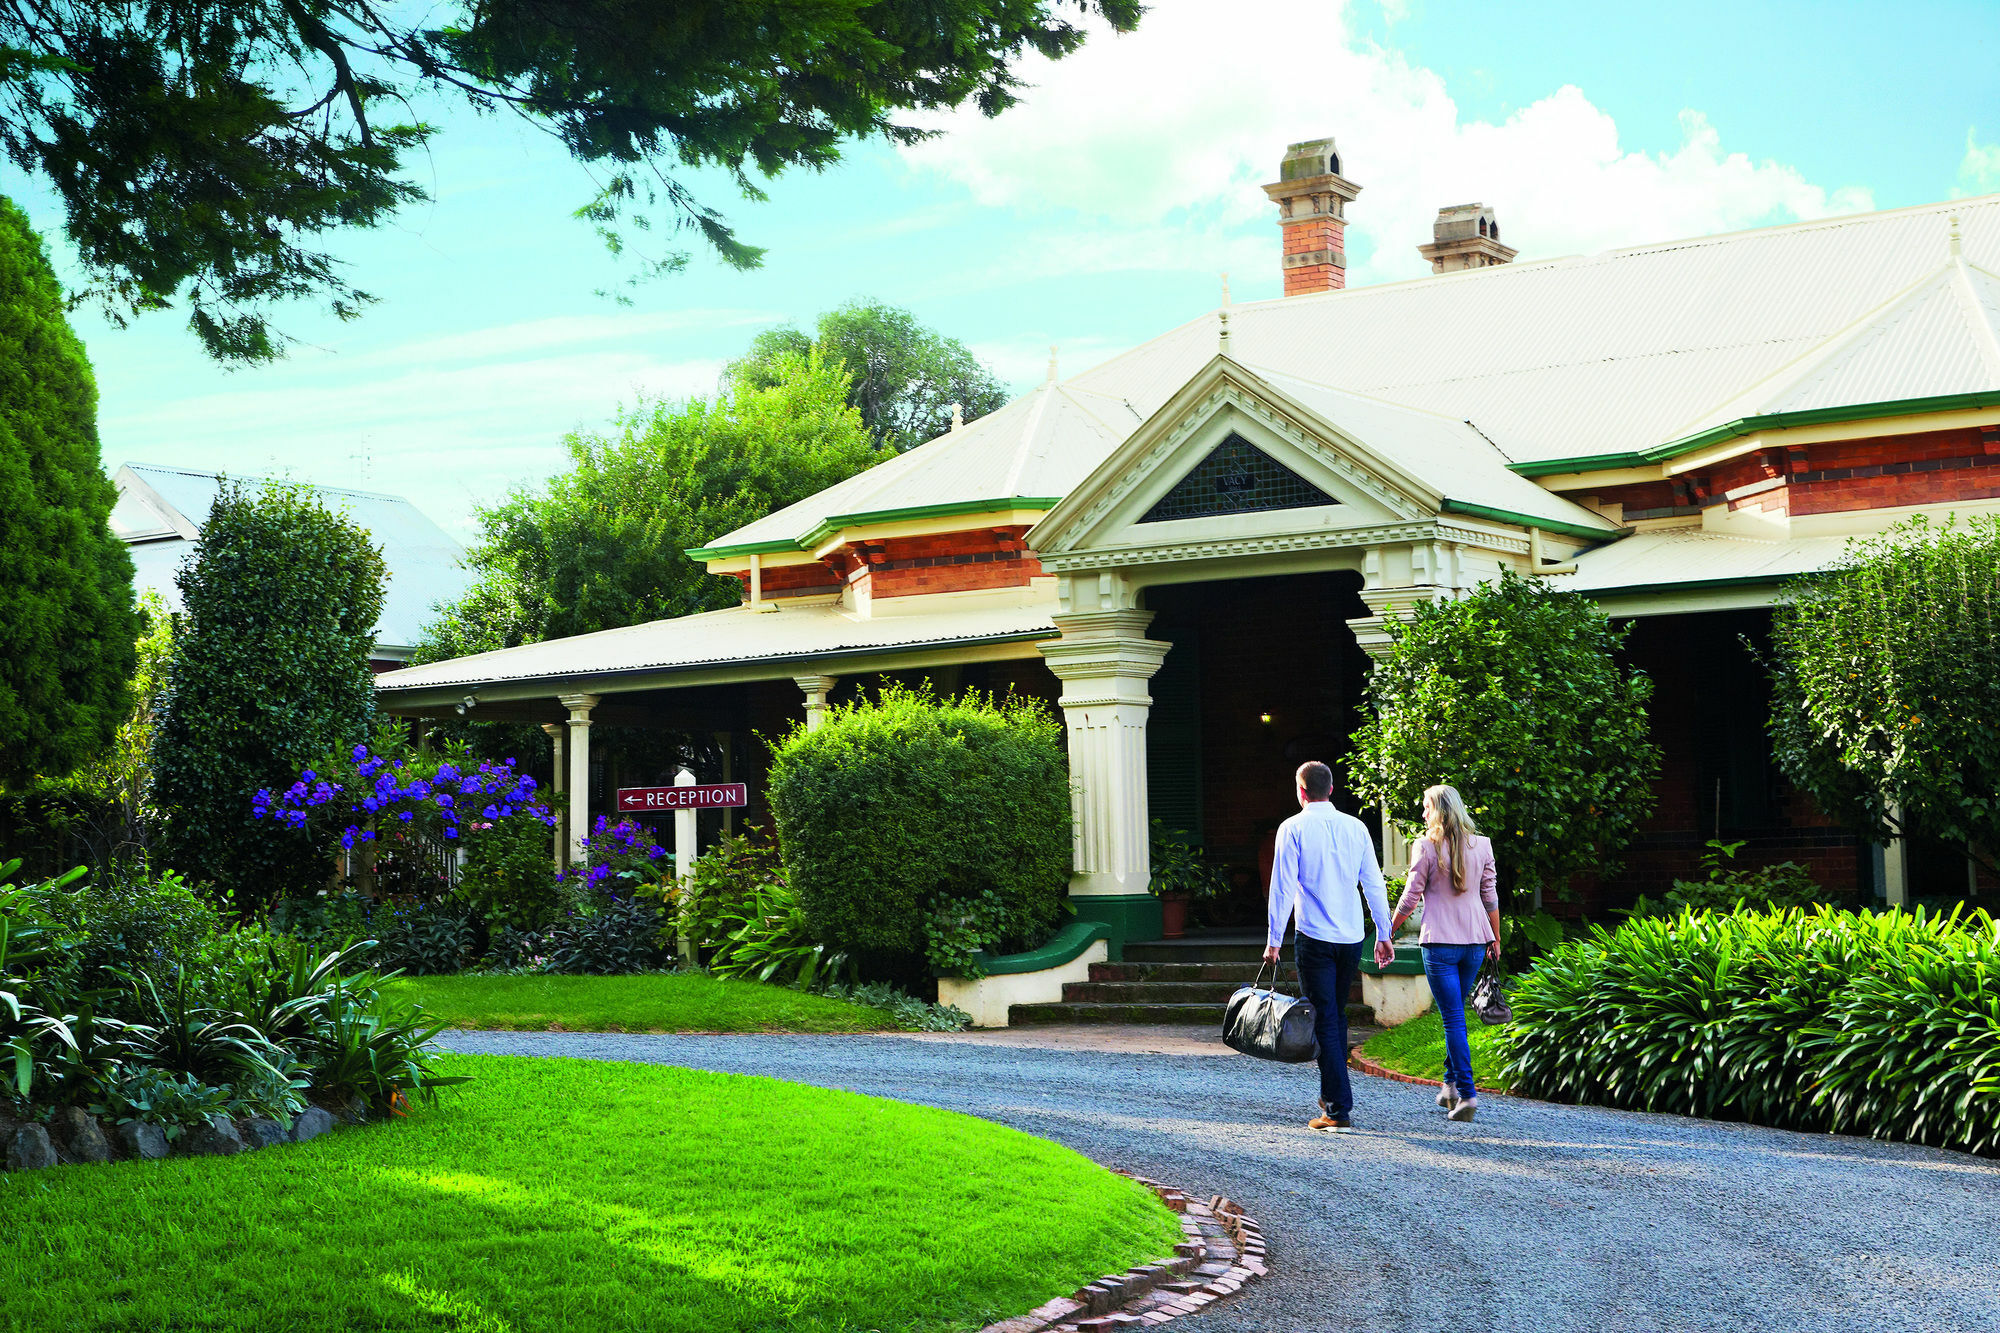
(656, 1002)
(1417, 1049)
(556, 1195)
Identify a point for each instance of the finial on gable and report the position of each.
(1953, 244)
(957, 416)
(1223, 337)
(1225, 291)
(1052, 363)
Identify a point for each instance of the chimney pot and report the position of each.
(1311, 196)
(1465, 236)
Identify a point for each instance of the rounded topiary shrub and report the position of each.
(917, 827)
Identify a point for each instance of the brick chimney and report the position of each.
(1465, 236)
(1310, 194)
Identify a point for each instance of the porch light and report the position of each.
(1265, 718)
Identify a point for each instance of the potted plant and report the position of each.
(1180, 875)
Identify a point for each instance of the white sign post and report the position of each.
(684, 852)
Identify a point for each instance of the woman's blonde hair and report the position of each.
(1448, 825)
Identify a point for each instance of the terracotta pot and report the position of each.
(1173, 915)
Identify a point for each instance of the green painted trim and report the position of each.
(1816, 416)
(1550, 467)
(1409, 960)
(1529, 521)
(1131, 917)
(1067, 946)
(833, 523)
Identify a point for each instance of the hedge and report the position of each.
(918, 828)
(1886, 1025)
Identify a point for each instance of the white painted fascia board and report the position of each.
(131, 483)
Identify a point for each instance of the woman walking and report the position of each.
(1460, 927)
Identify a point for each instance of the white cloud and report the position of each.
(1149, 147)
(1979, 170)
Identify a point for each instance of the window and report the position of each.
(1236, 478)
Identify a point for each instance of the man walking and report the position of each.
(1322, 857)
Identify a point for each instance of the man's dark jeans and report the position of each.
(1327, 972)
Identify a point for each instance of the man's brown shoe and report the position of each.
(1328, 1123)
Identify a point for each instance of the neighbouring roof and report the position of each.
(1563, 364)
(160, 511)
(1666, 558)
(734, 635)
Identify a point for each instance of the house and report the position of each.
(160, 510)
(1192, 548)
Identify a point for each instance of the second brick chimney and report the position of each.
(1310, 194)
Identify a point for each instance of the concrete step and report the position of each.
(1232, 972)
(1044, 1015)
(1196, 949)
(1153, 992)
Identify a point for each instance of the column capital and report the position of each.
(1104, 657)
(554, 729)
(816, 684)
(579, 706)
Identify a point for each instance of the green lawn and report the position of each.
(1417, 1047)
(691, 1002)
(576, 1195)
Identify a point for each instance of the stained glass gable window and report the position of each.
(1237, 478)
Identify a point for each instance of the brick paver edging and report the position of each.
(1223, 1250)
(1357, 1060)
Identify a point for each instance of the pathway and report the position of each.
(1537, 1217)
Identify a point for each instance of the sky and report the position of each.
(1100, 212)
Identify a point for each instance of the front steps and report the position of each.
(1185, 981)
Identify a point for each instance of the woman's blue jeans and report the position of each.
(1452, 969)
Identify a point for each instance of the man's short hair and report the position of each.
(1316, 780)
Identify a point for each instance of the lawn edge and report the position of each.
(1356, 1060)
(1222, 1252)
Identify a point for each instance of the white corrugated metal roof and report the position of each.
(1569, 358)
(426, 567)
(736, 634)
(1036, 447)
(1665, 557)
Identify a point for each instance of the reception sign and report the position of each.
(708, 796)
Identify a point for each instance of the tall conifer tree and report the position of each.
(67, 620)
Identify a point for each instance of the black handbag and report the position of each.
(1488, 1000)
(1270, 1025)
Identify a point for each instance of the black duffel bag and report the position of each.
(1270, 1025)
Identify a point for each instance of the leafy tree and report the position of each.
(605, 544)
(1885, 672)
(202, 150)
(66, 610)
(1513, 696)
(903, 377)
(115, 788)
(270, 672)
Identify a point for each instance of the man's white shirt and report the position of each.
(1322, 857)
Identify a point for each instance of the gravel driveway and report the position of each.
(1535, 1217)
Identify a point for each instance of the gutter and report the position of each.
(1751, 425)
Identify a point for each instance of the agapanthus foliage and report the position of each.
(375, 794)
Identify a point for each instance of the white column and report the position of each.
(684, 833)
(816, 689)
(1395, 847)
(557, 785)
(1104, 660)
(579, 706)
(1896, 864)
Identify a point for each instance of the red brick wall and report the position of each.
(1304, 237)
(1937, 467)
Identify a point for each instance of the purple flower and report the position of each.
(360, 753)
(347, 838)
(490, 813)
(451, 831)
(444, 800)
(405, 816)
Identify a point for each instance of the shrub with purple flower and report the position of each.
(377, 794)
(621, 859)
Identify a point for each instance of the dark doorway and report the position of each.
(1263, 676)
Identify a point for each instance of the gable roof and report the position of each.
(1592, 360)
(160, 511)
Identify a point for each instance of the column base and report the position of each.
(1131, 917)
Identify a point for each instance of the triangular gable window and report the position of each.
(1237, 478)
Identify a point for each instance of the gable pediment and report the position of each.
(1231, 458)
